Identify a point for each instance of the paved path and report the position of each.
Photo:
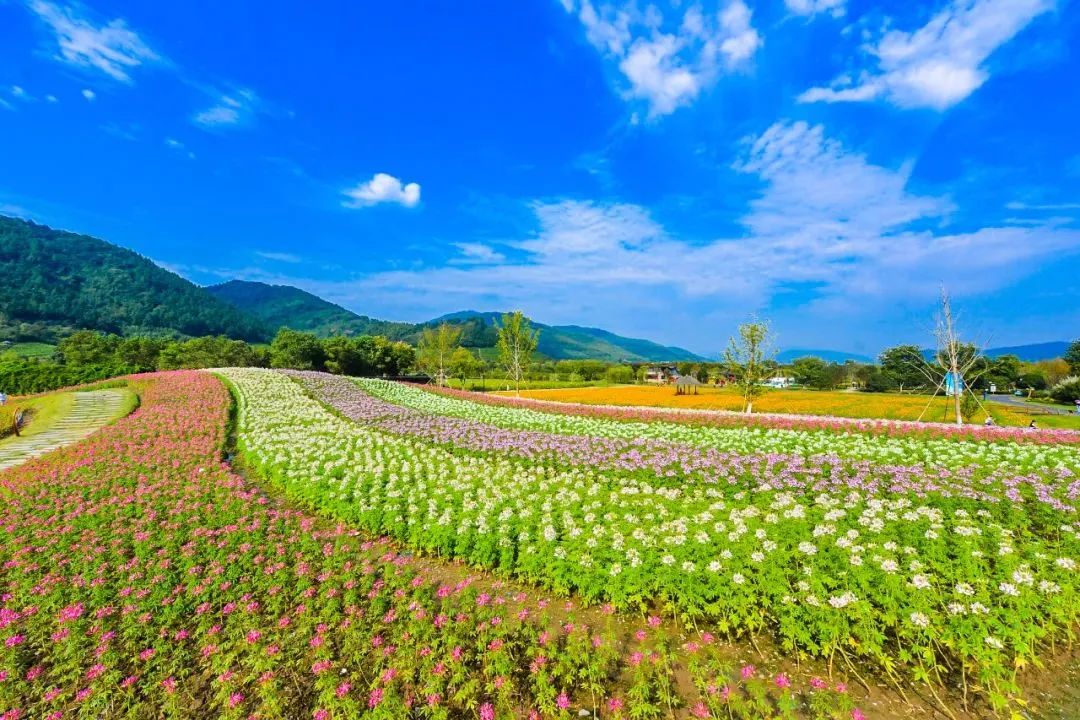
(1016, 402)
(89, 411)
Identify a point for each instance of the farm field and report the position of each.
(30, 349)
(377, 549)
(887, 406)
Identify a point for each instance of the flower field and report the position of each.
(953, 570)
(795, 402)
(143, 578)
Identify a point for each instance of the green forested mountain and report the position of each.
(280, 306)
(56, 281)
(285, 306)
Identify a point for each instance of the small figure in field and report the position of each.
(1077, 401)
(989, 421)
(1033, 426)
(3, 399)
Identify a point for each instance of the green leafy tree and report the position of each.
(619, 374)
(87, 347)
(211, 351)
(812, 372)
(877, 380)
(1072, 357)
(906, 367)
(436, 347)
(345, 356)
(463, 365)
(749, 358)
(296, 350)
(140, 353)
(517, 342)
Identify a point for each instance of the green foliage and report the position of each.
(878, 380)
(1067, 391)
(87, 347)
(1072, 357)
(517, 342)
(1033, 379)
(59, 281)
(815, 372)
(436, 346)
(296, 350)
(24, 377)
(464, 364)
(750, 359)
(208, 352)
(619, 374)
(906, 367)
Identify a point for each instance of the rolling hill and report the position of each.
(57, 281)
(286, 306)
(836, 356)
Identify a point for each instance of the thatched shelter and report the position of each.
(684, 384)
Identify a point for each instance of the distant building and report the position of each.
(661, 374)
(779, 381)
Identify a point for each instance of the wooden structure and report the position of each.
(685, 384)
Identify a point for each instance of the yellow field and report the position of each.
(889, 406)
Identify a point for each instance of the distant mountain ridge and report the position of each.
(58, 281)
(837, 356)
(287, 306)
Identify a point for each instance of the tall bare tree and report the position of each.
(436, 348)
(748, 358)
(517, 342)
(955, 358)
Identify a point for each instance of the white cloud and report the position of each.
(479, 253)
(89, 94)
(668, 64)
(178, 146)
(942, 62)
(51, 99)
(19, 92)
(110, 48)
(836, 8)
(382, 188)
(827, 217)
(278, 256)
(231, 109)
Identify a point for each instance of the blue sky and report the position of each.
(660, 170)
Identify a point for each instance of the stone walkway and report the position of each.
(89, 411)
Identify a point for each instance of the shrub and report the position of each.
(1067, 391)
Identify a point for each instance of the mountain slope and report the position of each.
(56, 281)
(1033, 352)
(286, 306)
(836, 356)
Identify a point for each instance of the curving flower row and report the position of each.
(953, 587)
(143, 578)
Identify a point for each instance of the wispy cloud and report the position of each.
(836, 8)
(478, 253)
(229, 110)
(827, 218)
(668, 61)
(278, 256)
(382, 188)
(174, 144)
(89, 95)
(939, 64)
(111, 48)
